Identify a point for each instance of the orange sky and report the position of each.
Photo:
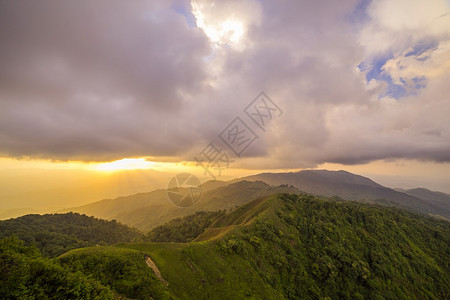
(48, 186)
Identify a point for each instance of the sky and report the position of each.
(225, 88)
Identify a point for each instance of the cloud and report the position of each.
(226, 22)
(96, 80)
(394, 26)
(410, 69)
(110, 80)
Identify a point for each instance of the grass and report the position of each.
(123, 269)
(196, 271)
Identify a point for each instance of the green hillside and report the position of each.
(123, 270)
(25, 274)
(55, 234)
(186, 229)
(287, 247)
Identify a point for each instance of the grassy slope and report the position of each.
(288, 247)
(122, 269)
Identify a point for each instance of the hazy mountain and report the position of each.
(433, 196)
(349, 186)
(438, 199)
(147, 210)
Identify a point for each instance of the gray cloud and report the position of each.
(105, 80)
(88, 80)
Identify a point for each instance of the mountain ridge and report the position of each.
(288, 246)
(148, 210)
(350, 186)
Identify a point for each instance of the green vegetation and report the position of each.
(55, 234)
(25, 274)
(185, 229)
(123, 270)
(200, 271)
(318, 249)
(283, 246)
(296, 247)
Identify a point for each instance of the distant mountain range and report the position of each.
(148, 210)
(436, 198)
(350, 186)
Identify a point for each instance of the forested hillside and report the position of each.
(25, 274)
(182, 230)
(55, 234)
(288, 247)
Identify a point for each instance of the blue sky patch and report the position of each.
(421, 48)
(374, 70)
(359, 14)
(185, 11)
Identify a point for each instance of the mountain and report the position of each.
(54, 234)
(349, 186)
(147, 210)
(284, 246)
(438, 199)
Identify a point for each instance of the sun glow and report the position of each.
(228, 32)
(125, 164)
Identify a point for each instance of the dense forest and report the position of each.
(184, 229)
(55, 234)
(319, 249)
(123, 270)
(305, 247)
(283, 246)
(25, 274)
